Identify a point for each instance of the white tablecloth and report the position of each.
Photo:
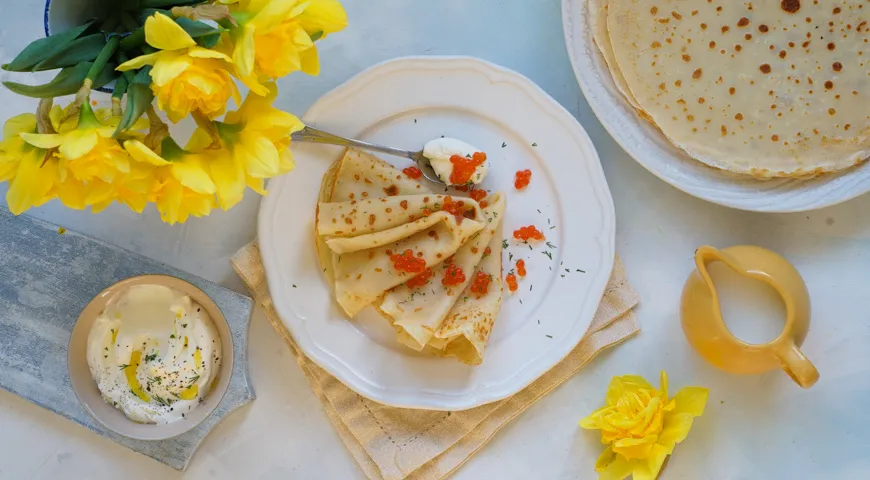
(754, 427)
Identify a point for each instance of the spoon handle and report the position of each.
(313, 135)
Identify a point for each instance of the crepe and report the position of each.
(465, 331)
(598, 22)
(362, 263)
(417, 312)
(358, 175)
(771, 89)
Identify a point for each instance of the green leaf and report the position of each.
(139, 98)
(67, 82)
(195, 28)
(208, 41)
(42, 49)
(84, 49)
(106, 75)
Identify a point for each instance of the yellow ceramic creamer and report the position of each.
(705, 328)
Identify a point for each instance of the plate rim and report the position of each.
(482, 394)
(858, 177)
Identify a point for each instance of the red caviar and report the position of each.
(413, 172)
(529, 233)
(478, 195)
(407, 262)
(487, 252)
(521, 268)
(454, 208)
(511, 280)
(480, 284)
(453, 276)
(463, 168)
(524, 177)
(420, 280)
(461, 188)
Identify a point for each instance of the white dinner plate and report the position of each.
(404, 103)
(652, 150)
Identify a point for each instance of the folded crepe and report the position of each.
(374, 231)
(417, 312)
(369, 211)
(465, 332)
(358, 175)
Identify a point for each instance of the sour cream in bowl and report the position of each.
(153, 353)
(151, 357)
(456, 162)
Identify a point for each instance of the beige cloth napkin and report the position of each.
(396, 443)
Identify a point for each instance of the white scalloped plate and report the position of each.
(404, 103)
(652, 150)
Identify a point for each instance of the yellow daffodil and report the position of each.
(186, 78)
(184, 185)
(88, 151)
(275, 38)
(254, 146)
(640, 426)
(31, 178)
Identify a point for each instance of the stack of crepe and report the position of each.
(768, 88)
(367, 211)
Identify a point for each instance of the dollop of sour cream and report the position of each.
(441, 150)
(154, 353)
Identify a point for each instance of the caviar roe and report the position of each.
(407, 262)
(524, 177)
(453, 276)
(420, 280)
(413, 172)
(463, 168)
(521, 268)
(487, 252)
(529, 233)
(480, 284)
(454, 208)
(478, 195)
(511, 280)
(462, 188)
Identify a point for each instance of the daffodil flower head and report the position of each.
(88, 151)
(641, 425)
(260, 133)
(31, 178)
(184, 186)
(186, 78)
(276, 37)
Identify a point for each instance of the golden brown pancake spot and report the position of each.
(765, 68)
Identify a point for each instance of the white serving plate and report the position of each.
(652, 150)
(404, 103)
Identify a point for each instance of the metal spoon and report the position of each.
(313, 135)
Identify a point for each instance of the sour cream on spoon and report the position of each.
(456, 162)
(154, 354)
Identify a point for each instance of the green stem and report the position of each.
(103, 57)
(120, 87)
(134, 40)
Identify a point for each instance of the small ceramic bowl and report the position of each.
(85, 387)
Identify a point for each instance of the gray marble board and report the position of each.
(46, 279)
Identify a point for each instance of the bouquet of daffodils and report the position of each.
(184, 58)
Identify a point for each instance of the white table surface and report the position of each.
(754, 427)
